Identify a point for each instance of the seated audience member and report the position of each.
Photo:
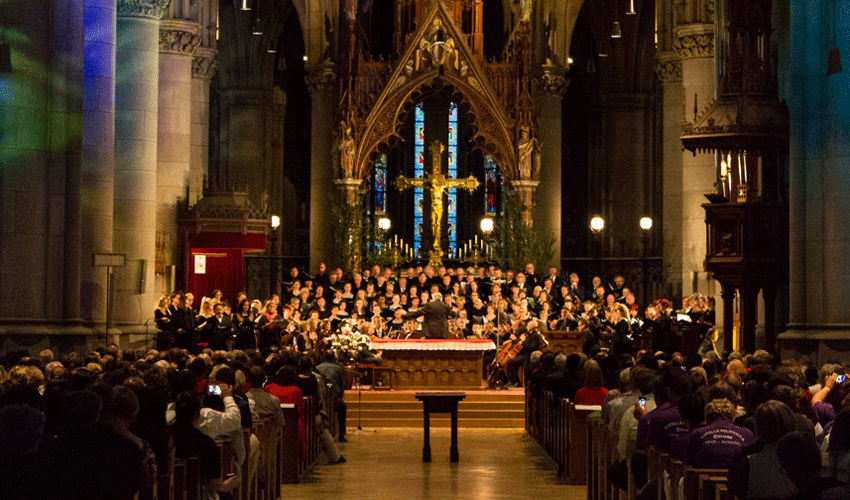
(800, 461)
(659, 427)
(333, 375)
(755, 472)
(713, 445)
(189, 442)
(592, 393)
(21, 434)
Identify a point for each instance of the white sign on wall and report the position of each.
(200, 264)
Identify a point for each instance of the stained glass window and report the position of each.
(451, 210)
(490, 185)
(380, 185)
(418, 172)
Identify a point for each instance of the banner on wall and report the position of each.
(200, 264)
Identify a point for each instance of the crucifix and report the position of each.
(437, 184)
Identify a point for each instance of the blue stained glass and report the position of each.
(419, 207)
(451, 212)
(379, 186)
(490, 185)
(418, 171)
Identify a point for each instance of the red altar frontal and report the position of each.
(435, 363)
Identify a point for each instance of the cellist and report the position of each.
(529, 336)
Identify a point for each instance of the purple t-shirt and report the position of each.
(712, 446)
(665, 425)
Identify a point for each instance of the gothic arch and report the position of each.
(491, 129)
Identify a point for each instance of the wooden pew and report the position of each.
(248, 486)
(562, 435)
(610, 456)
(187, 478)
(677, 473)
(289, 446)
(179, 478)
(268, 473)
(577, 442)
(595, 435)
(693, 487)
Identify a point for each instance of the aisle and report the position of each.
(387, 464)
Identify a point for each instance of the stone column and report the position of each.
(351, 199)
(525, 190)
(98, 170)
(40, 162)
(136, 121)
(178, 40)
(695, 47)
(547, 215)
(203, 68)
(321, 83)
(819, 184)
(668, 66)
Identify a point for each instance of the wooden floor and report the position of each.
(387, 463)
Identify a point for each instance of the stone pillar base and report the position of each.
(822, 343)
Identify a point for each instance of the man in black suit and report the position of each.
(437, 314)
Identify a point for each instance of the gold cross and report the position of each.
(437, 184)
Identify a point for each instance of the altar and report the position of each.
(435, 363)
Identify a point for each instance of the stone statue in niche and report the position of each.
(525, 9)
(528, 154)
(346, 150)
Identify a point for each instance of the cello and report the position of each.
(497, 374)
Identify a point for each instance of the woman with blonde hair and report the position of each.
(162, 318)
(621, 329)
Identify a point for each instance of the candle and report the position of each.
(745, 166)
(476, 239)
(723, 168)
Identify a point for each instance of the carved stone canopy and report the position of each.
(225, 208)
(739, 123)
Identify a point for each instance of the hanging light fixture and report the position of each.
(257, 30)
(616, 32)
(631, 11)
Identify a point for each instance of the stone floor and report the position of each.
(387, 464)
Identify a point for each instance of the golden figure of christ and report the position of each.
(437, 184)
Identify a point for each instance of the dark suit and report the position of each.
(435, 324)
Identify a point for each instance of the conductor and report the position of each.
(436, 324)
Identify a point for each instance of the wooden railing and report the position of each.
(283, 459)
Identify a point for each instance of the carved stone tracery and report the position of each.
(204, 63)
(173, 41)
(669, 70)
(691, 46)
(152, 9)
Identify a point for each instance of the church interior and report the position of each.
(709, 139)
(688, 150)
